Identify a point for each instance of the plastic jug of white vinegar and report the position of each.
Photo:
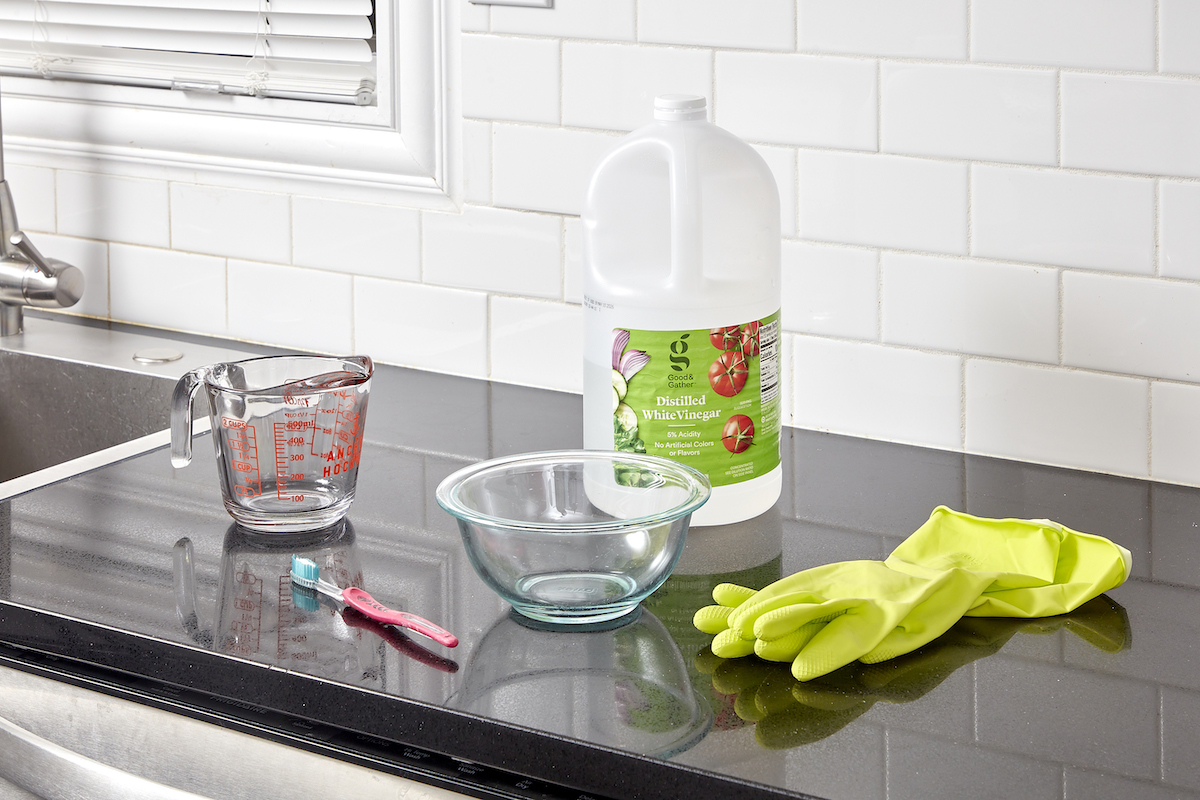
(681, 302)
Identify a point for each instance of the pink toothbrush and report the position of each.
(306, 573)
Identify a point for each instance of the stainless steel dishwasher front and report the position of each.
(59, 741)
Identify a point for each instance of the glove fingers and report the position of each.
(780, 621)
(730, 644)
(788, 646)
(842, 641)
(744, 617)
(732, 595)
(712, 619)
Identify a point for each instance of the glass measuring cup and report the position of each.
(287, 431)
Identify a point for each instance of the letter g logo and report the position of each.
(680, 362)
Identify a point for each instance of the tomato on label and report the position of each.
(750, 338)
(738, 434)
(729, 338)
(728, 373)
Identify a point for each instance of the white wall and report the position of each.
(991, 216)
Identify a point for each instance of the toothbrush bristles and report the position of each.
(306, 573)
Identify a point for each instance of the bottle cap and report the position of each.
(679, 107)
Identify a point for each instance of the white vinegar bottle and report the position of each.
(681, 288)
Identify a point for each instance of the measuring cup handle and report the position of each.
(181, 417)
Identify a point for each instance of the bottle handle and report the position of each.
(181, 417)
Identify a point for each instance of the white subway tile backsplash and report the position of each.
(544, 169)
(915, 29)
(1131, 124)
(613, 86)
(477, 161)
(756, 24)
(881, 392)
(537, 343)
(572, 260)
(989, 208)
(1097, 34)
(32, 190)
(358, 238)
(231, 222)
(1179, 31)
(494, 249)
(289, 306)
(830, 291)
(609, 20)
(986, 113)
(1139, 326)
(1175, 432)
(168, 289)
(1063, 218)
(1179, 229)
(94, 206)
(821, 101)
(386, 314)
(91, 257)
(999, 310)
(510, 78)
(885, 201)
(782, 162)
(1057, 416)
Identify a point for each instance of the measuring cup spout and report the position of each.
(181, 417)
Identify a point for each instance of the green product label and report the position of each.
(707, 398)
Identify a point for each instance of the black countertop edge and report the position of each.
(429, 744)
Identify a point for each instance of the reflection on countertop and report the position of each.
(134, 569)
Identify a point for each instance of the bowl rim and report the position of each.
(697, 481)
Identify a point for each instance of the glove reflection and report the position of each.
(789, 713)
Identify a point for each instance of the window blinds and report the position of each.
(304, 49)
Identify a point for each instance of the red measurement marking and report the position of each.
(243, 457)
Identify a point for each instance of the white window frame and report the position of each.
(403, 150)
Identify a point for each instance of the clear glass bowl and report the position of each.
(574, 537)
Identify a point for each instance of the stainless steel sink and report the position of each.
(74, 397)
(53, 411)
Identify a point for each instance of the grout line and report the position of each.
(796, 26)
(1158, 37)
(970, 16)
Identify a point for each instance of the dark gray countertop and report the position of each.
(1102, 703)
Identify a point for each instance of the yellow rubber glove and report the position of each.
(1043, 568)
(955, 564)
(824, 618)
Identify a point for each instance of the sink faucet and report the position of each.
(27, 278)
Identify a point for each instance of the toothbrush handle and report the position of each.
(361, 601)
